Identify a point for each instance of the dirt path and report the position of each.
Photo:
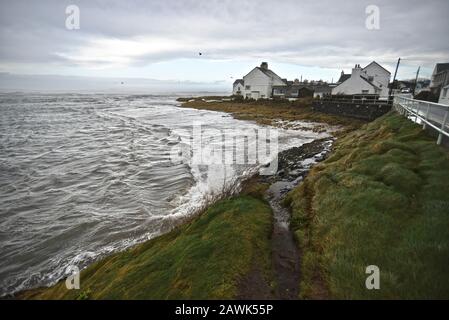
(293, 166)
(285, 254)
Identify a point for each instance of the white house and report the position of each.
(440, 77)
(238, 87)
(259, 82)
(372, 79)
(444, 95)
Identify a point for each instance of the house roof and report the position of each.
(344, 77)
(323, 88)
(377, 64)
(237, 82)
(270, 73)
(370, 83)
(363, 79)
(441, 67)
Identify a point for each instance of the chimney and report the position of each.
(264, 65)
(356, 71)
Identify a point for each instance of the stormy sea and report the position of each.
(84, 175)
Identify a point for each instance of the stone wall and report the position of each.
(365, 111)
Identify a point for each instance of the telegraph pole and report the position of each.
(395, 73)
(416, 81)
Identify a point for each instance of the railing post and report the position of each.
(417, 110)
(440, 136)
(402, 104)
(397, 104)
(410, 108)
(427, 116)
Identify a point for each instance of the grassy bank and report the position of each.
(268, 112)
(204, 259)
(381, 198)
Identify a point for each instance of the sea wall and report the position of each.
(365, 111)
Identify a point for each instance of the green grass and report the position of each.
(267, 112)
(204, 259)
(381, 198)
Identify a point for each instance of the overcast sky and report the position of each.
(162, 39)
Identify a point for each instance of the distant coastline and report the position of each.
(47, 83)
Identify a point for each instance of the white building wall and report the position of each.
(354, 85)
(257, 84)
(238, 87)
(444, 96)
(318, 94)
(432, 79)
(381, 78)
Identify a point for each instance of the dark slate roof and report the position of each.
(300, 86)
(344, 77)
(238, 81)
(442, 67)
(323, 88)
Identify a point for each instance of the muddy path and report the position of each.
(285, 255)
(293, 166)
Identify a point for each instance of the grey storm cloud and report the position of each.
(314, 33)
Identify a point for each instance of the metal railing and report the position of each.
(430, 114)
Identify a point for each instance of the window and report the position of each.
(365, 91)
(247, 87)
(370, 78)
